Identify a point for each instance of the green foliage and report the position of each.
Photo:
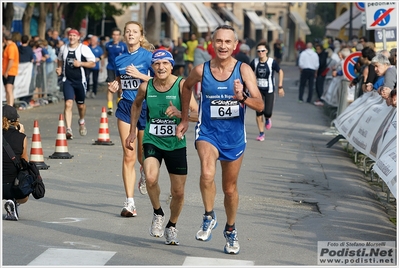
(326, 12)
(78, 11)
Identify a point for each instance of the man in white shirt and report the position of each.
(308, 65)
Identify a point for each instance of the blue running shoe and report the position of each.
(208, 224)
(232, 246)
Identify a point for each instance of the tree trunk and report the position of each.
(8, 13)
(58, 9)
(42, 20)
(27, 18)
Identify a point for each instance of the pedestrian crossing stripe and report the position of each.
(199, 261)
(72, 257)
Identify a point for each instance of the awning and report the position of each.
(356, 24)
(295, 17)
(216, 15)
(255, 19)
(279, 29)
(269, 25)
(336, 25)
(178, 17)
(195, 16)
(231, 17)
(207, 15)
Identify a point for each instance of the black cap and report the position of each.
(10, 113)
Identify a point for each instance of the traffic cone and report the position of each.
(36, 151)
(103, 132)
(61, 144)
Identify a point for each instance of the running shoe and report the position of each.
(11, 209)
(129, 210)
(110, 111)
(318, 103)
(82, 129)
(156, 228)
(208, 224)
(261, 137)
(232, 246)
(69, 134)
(142, 183)
(268, 124)
(171, 236)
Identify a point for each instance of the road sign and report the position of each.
(360, 6)
(349, 65)
(380, 15)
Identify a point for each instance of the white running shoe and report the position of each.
(129, 210)
(232, 246)
(156, 228)
(208, 224)
(171, 236)
(142, 183)
(9, 206)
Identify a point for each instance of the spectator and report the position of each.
(13, 134)
(191, 45)
(308, 65)
(393, 56)
(243, 54)
(9, 67)
(321, 73)
(200, 54)
(384, 68)
(98, 53)
(299, 47)
(278, 51)
(178, 54)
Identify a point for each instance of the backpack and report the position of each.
(28, 181)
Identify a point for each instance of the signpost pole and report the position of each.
(384, 39)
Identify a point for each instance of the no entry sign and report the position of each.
(349, 65)
(380, 15)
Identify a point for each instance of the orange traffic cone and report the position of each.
(103, 132)
(61, 144)
(36, 151)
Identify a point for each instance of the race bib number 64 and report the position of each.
(224, 109)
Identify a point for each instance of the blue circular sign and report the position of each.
(361, 6)
(349, 69)
(378, 14)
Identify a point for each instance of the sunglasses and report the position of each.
(263, 50)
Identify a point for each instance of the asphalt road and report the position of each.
(293, 191)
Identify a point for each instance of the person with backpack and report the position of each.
(264, 68)
(72, 61)
(13, 134)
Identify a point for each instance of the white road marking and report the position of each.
(198, 261)
(66, 220)
(72, 257)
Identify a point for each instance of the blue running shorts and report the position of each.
(123, 113)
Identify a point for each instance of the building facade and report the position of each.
(253, 21)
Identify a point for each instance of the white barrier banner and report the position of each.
(350, 117)
(369, 129)
(386, 168)
(22, 81)
(369, 125)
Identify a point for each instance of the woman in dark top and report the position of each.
(13, 134)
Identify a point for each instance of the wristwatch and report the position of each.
(245, 96)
